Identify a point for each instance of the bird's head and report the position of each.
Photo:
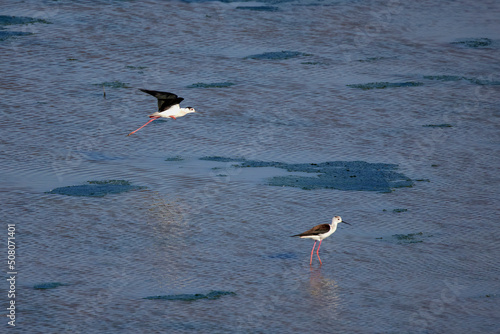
(189, 110)
(338, 219)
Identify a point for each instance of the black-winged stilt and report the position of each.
(320, 232)
(168, 106)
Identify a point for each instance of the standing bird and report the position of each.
(321, 232)
(168, 106)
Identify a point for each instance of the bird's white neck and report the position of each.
(333, 227)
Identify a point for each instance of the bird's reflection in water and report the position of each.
(325, 291)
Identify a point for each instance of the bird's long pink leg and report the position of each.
(310, 262)
(152, 119)
(317, 251)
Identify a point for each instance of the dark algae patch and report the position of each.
(474, 42)
(96, 188)
(444, 125)
(313, 63)
(6, 20)
(399, 210)
(176, 158)
(475, 81)
(340, 175)
(211, 85)
(8, 34)
(345, 175)
(130, 67)
(411, 238)
(283, 256)
(383, 85)
(222, 159)
(50, 285)
(259, 8)
(113, 84)
(483, 82)
(280, 55)
(443, 77)
(372, 59)
(192, 297)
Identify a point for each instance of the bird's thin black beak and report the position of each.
(346, 222)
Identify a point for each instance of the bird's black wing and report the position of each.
(165, 99)
(316, 230)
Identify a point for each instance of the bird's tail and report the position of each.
(155, 114)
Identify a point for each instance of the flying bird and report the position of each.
(168, 107)
(320, 232)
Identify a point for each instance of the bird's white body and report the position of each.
(333, 228)
(173, 112)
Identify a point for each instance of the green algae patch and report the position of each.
(212, 295)
(211, 85)
(383, 85)
(280, 55)
(283, 256)
(222, 159)
(113, 84)
(6, 20)
(444, 125)
(176, 158)
(373, 59)
(50, 285)
(8, 34)
(403, 239)
(139, 68)
(483, 82)
(340, 175)
(443, 77)
(313, 63)
(259, 8)
(96, 188)
(474, 42)
(411, 238)
(476, 81)
(345, 175)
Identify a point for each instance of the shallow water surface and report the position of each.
(285, 81)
